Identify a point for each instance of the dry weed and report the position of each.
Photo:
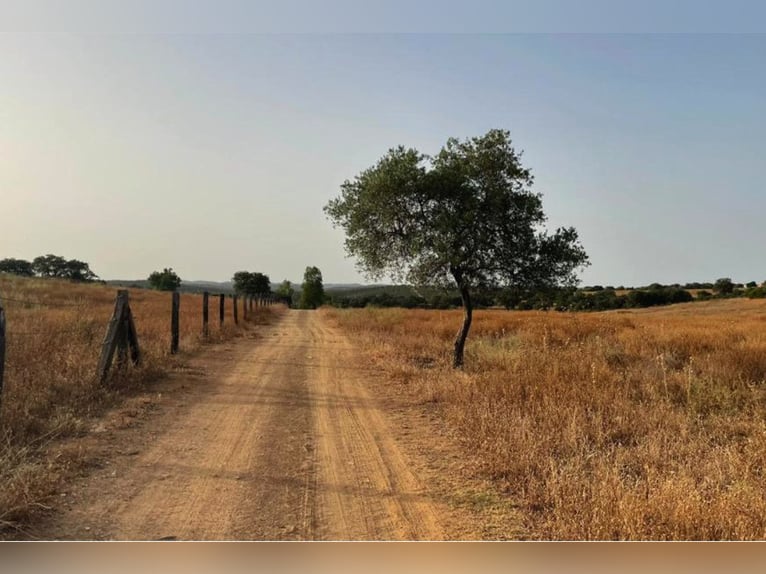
(628, 425)
(54, 334)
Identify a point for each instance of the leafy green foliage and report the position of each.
(466, 215)
(724, 286)
(285, 291)
(251, 283)
(17, 267)
(468, 211)
(57, 266)
(76, 270)
(49, 265)
(658, 296)
(165, 280)
(756, 292)
(312, 290)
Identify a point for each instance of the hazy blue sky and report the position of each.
(214, 153)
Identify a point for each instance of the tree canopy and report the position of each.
(57, 266)
(312, 290)
(251, 283)
(285, 291)
(466, 215)
(724, 286)
(165, 280)
(17, 267)
(49, 266)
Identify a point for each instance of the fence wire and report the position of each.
(4, 300)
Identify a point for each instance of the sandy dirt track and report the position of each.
(270, 438)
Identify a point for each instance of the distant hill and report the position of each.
(228, 286)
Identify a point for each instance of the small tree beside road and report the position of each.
(466, 215)
(285, 291)
(312, 290)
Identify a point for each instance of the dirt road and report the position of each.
(272, 438)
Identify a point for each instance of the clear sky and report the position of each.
(213, 153)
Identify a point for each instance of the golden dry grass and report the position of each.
(54, 334)
(620, 425)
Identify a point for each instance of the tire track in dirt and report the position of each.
(277, 438)
(366, 488)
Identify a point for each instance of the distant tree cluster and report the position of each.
(590, 298)
(607, 299)
(17, 267)
(252, 283)
(165, 280)
(385, 299)
(49, 266)
(407, 298)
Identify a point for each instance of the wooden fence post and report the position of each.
(132, 335)
(110, 340)
(174, 322)
(121, 336)
(205, 299)
(234, 305)
(221, 307)
(2, 350)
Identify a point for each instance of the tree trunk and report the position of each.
(457, 356)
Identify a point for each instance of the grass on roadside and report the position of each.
(54, 334)
(628, 425)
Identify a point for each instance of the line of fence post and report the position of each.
(174, 322)
(121, 336)
(205, 301)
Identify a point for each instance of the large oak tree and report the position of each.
(466, 215)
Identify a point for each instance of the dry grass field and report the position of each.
(647, 424)
(54, 334)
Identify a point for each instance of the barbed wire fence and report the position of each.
(121, 337)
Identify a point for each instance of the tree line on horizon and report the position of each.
(310, 296)
(589, 298)
(50, 266)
